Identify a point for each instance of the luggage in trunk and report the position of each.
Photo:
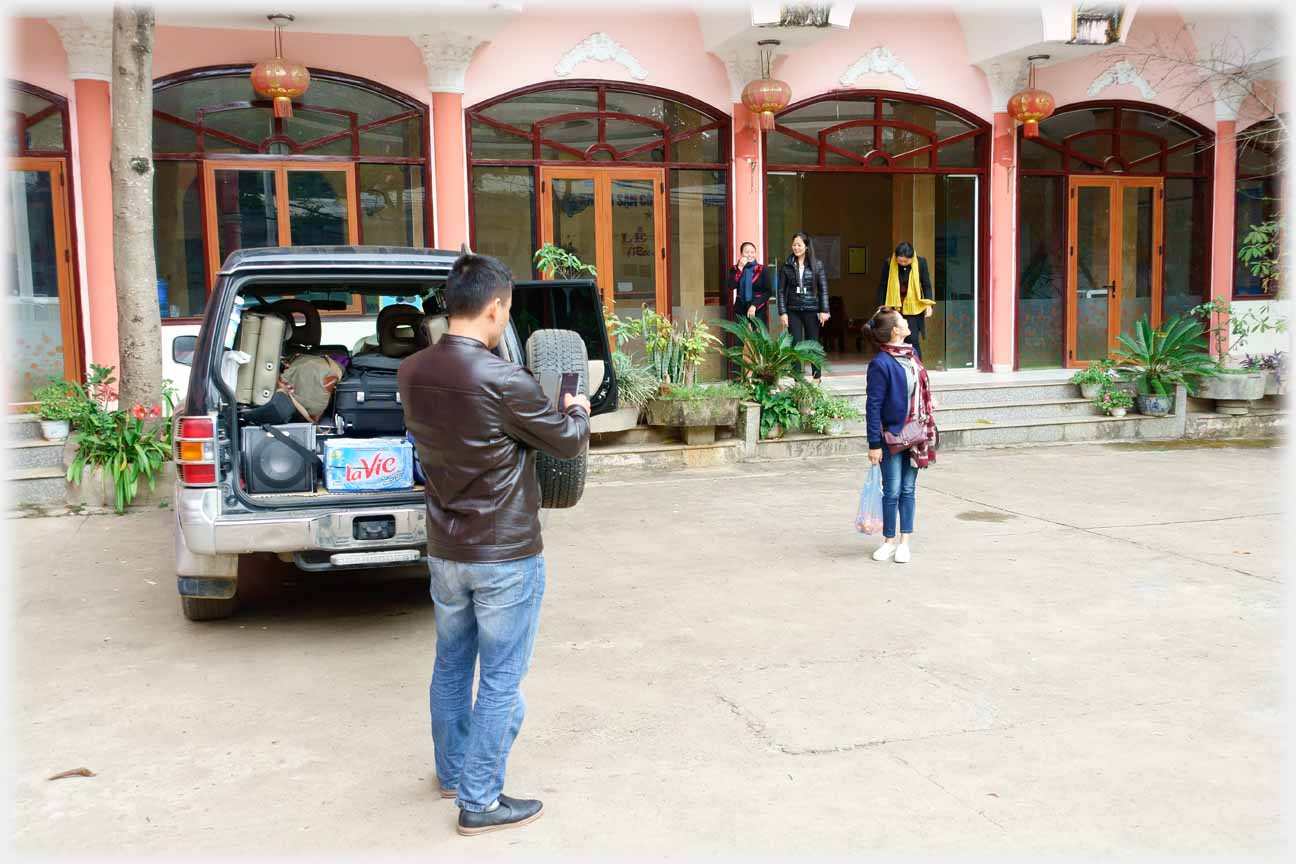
(367, 402)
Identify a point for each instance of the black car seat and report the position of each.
(307, 329)
(399, 330)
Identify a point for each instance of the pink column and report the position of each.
(94, 146)
(1003, 254)
(451, 206)
(747, 184)
(1225, 189)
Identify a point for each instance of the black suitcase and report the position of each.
(367, 401)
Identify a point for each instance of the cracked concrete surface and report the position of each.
(1087, 664)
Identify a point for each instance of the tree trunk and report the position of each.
(139, 328)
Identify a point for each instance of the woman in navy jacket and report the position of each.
(897, 389)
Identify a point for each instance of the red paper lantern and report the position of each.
(279, 79)
(1031, 105)
(767, 95)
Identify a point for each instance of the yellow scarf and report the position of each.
(914, 302)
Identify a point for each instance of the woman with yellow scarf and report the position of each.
(909, 289)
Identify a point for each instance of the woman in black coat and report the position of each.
(749, 285)
(803, 293)
(915, 310)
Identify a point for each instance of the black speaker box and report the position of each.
(272, 465)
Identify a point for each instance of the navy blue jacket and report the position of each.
(886, 401)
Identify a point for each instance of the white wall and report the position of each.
(1269, 342)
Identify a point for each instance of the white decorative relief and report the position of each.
(88, 45)
(1005, 79)
(1121, 73)
(602, 47)
(446, 54)
(742, 67)
(882, 62)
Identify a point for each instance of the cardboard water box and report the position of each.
(368, 464)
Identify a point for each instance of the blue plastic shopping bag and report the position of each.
(868, 519)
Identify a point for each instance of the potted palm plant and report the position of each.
(768, 359)
(1157, 361)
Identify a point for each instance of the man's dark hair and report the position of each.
(476, 280)
(904, 250)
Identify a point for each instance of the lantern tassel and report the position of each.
(1031, 129)
(283, 107)
(767, 120)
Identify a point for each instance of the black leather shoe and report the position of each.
(511, 813)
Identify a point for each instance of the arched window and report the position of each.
(1259, 195)
(1113, 224)
(587, 165)
(860, 171)
(41, 284)
(349, 167)
(872, 130)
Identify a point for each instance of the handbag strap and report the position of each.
(292, 443)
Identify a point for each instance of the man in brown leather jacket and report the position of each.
(477, 421)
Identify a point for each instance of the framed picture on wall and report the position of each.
(857, 260)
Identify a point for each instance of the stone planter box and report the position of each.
(1274, 384)
(620, 420)
(1233, 393)
(96, 492)
(697, 417)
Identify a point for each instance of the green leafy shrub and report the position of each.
(129, 445)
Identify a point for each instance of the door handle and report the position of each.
(1111, 289)
(1098, 293)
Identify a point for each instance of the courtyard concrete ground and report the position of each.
(1082, 658)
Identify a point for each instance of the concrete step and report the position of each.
(35, 454)
(963, 436)
(605, 460)
(970, 395)
(37, 486)
(22, 427)
(1035, 409)
(1259, 423)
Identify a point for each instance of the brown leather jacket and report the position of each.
(477, 421)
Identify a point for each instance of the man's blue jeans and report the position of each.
(491, 612)
(899, 478)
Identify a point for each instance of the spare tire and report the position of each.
(562, 481)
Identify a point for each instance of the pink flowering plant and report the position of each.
(1112, 397)
(128, 444)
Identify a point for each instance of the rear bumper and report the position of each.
(207, 532)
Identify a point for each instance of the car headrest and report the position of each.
(304, 316)
(398, 330)
(433, 328)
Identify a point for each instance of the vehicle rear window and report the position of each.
(557, 306)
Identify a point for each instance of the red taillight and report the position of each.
(197, 427)
(198, 474)
(195, 450)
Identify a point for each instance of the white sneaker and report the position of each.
(884, 552)
(902, 553)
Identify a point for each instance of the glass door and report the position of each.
(613, 218)
(1114, 262)
(43, 341)
(260, 204)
